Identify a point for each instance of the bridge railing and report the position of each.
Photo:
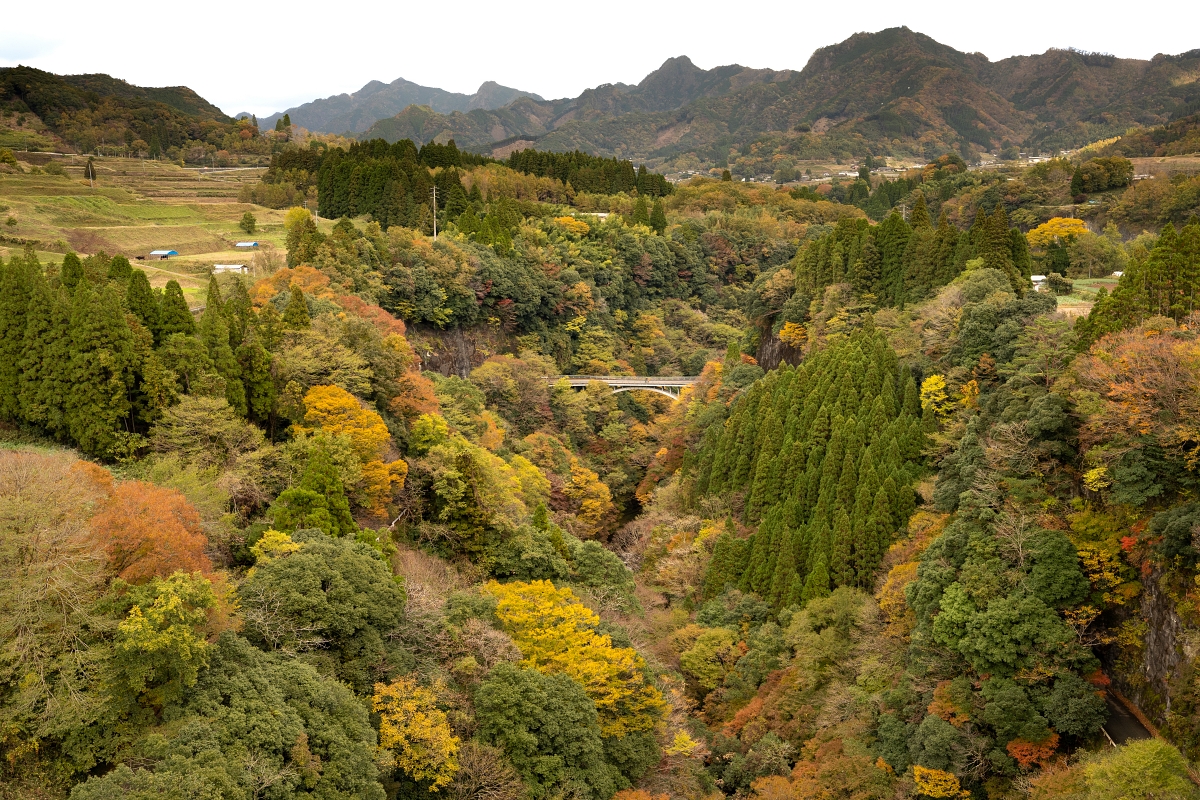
(659, 380)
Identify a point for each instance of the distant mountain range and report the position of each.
(614, 116)
(895, 91)
(356, 112)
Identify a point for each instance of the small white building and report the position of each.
(246, 244)
(1117, 274)
(163, 254)
(239, 269)
(1039, 282)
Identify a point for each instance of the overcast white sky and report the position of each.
(263, 57)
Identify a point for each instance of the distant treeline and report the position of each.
(392, 182)
(1166, 283)
(949, 172)
(591, 173)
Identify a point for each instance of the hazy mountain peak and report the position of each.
(371, 87)
(355, 113)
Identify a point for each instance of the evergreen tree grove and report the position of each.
(95, 360)
(1165, 283)
(825, 455)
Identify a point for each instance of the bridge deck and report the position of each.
(624, 380)
(670, 385)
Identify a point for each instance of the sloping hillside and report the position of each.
(90, 111)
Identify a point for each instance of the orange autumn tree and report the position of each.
(639, 794)
(414, 395)
(148, 531)
(310, 280)
(1027, 754)
(828, 768)
(334, 411)
(385, 323)
(1140, 390)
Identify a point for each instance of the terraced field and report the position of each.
(134, 207)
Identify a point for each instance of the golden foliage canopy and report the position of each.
(1056, 229)
(414, 734)
(934, 397)
(556, 633)
(936, 783)
(339, 413)
(334, 411)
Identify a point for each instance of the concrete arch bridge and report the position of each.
(670, 386)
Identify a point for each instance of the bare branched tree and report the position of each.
(262, 772)
(484, 774)
(53, 573)
(1014, 533)
(263, 616)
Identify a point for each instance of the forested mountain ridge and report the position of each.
(91, 110)
(47, 94)
(357, 111)
(851, 98)
(676, 83)
(895, 92)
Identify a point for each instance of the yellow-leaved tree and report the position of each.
(556, 633)
(414, 734)
(535, 486)
(593, 497)
(793, 334)
(934, 397)
(572, 225)
(334, 411)
(936, 783)
(1057, 228)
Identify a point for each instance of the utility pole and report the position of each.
(435, 213)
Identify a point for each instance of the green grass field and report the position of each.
(1080, 301)
(134, 207)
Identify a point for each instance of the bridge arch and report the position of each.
(667, 385)
(654, 389)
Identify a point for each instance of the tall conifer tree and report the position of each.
(295, 315)
(16, 289)
(144, 304)
(71, 272)
(175, 316)
(101, 371)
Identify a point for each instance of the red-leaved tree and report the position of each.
(147, 531)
